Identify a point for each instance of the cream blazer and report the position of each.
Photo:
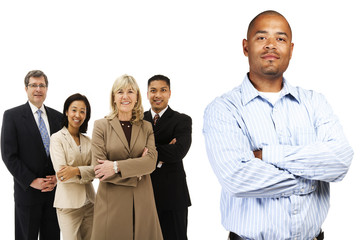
(64, 151)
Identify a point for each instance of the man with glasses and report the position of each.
(25, 135)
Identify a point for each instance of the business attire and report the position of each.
(75, 197)
(24, 154)
(286, 194)
(124, 206)
(169, 179)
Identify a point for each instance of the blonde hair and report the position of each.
(122, 82)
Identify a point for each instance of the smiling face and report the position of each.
(125, 100)
(76, 115)
(158, 95)
(268, 47)
(36, 95)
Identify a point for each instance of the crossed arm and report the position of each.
(273, 170)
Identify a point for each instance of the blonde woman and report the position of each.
(70, 153)
(123, 145)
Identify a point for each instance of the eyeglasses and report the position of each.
(33, 85)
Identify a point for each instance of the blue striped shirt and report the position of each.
(286, 194)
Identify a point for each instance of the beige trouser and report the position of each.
(76, 223)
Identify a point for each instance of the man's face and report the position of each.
(269, 47)
(36, 90)
(158, 95)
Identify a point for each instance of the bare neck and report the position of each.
(124, 116)
(74, 132)
(266, 84)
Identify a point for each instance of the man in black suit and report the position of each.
(25, 153)
(172, 132)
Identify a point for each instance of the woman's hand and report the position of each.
(67, 172)
(144, 152)
(104, 170)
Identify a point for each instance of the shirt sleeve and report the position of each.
(328, 158)
(233, 161)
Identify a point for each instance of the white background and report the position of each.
(83, 46)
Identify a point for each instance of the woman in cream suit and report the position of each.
(71, 156)
(123, 145)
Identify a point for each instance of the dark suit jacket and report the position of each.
(23, 151)
(169, 181)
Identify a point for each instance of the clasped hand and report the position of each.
(44, 184)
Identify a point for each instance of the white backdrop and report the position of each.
(83, 46)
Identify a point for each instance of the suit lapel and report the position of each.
(134, 134)
(69, 138)
(167, 114)
(115, 124)
(148, 117)
(74, 147)
(84, 147)
(30, 123)
(51, 120)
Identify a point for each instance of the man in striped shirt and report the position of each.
(274, 147)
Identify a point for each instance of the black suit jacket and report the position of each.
(23, 151)
(169, 181)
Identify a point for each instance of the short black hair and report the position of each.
(159, 77)
(268, 13)
(35, 73)
(68, 101)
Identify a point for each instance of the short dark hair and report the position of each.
(35, 73)
(268, 13)
(68, 101)
(159, 78)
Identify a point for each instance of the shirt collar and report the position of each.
(249, 92)
(34, 108)
(160, 113)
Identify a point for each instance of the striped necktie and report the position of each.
(156, 118)
(44, 132)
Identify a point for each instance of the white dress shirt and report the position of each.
(43, 115)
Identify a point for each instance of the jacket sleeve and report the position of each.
(10, 152)
(59, 157)
(130, 169)
(87, 173)
(171, 153)
(139, 166)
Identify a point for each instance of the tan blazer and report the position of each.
(64, 151)
(124, 198)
